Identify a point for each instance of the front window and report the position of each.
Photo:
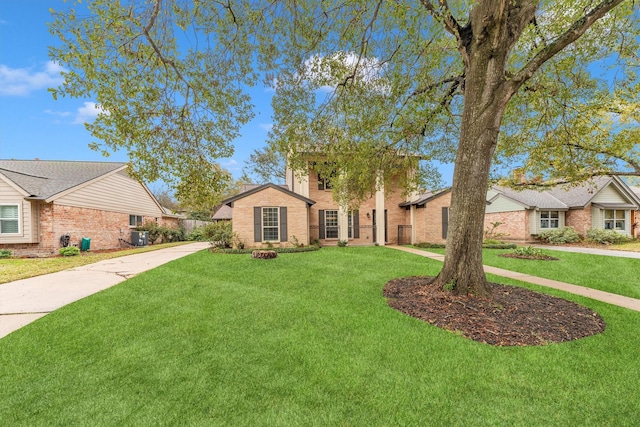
(614, 220)
(331, 224)
(549, 219)
(135, 220)
(270, 222)
(9, 219)
(350, 216)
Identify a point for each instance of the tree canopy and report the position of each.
(550, 86)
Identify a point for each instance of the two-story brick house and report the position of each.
(304, 211)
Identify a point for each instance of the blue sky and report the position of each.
(33, 125)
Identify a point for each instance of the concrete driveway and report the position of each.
(24, 301)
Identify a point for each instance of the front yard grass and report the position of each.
(606, 273)
(21, 268)
(303, 339)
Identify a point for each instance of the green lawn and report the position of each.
(21, 268)
(610, 274)
(304, 339)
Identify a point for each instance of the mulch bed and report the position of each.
(514, 317)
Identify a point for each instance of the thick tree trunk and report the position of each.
(486, 93)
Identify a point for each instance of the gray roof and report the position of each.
(563, 196)
(224, 212)
(259, 188)
(425, 197)
(42, 179)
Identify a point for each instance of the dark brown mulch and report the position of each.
(514, 317)
(536, 257)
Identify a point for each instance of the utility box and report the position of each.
(85, 244)
(139, 238)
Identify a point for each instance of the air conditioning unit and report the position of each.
(139, 238)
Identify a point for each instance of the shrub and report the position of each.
(426, 245)
(491, 235)
(219, 234)
(166, 234)
(342, 243)
(69, 251)
(5, 253)
(560, 236)
(196, 235)
(295, 242)
(606, 237)
(154, 231)
(528, 251)
(172, 234)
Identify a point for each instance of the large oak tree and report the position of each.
(483, 83)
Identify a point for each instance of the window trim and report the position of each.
(136, 217)
(263, 227)
(333, 228)
(19, 232)
(614, 220)
(550, 219)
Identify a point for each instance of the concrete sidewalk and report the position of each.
(23, 301)
(619, 300)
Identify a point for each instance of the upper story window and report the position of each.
(9, 219)
(270, 225)
(614, 220)
(324, 182)
(135, 220)
(549, 219)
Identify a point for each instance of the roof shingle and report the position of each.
(43, 179)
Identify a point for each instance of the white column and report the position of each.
(380, 226)
(343, 224)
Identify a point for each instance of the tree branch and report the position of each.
(575, 31)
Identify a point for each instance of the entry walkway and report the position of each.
(619, 300)
(26, 300)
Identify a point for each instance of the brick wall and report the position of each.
(324, 201)
(428, 220)
(579, 219)
(297, 216)
(515, 225)
(102, 227)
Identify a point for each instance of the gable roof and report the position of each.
(43, 179)
(566, 196)
(230, 200)
(425, 197)
(223, 213)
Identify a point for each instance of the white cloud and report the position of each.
(266, 126)
(89, 112)
(58, 113)
(23, 81)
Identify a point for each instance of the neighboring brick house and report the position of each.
(605, 203)
(42, 201)
(635, 215)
